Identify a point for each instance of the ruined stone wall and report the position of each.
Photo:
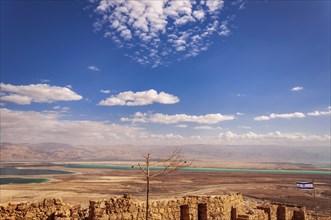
(47, 209)
(229, 207)
(124, 208)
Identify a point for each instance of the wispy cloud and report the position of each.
(45, 81)
(105, 91)
(277, 137)
(320, 113)
(93, 68)
(148, 97)
(286, 116)
(159, 30)
(177, 118)
(38, 93)
(36, 127)
(206, 127)
(61, 109)
(297, 89)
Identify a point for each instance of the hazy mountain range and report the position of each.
(66, 152)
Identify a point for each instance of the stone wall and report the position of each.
(229, 207)
(47, 209)
(218, 207)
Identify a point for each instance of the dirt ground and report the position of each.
(95, 184)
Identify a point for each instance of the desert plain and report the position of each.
(96, 184)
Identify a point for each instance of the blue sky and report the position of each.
(166, 72)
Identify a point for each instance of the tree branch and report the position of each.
(142, 169)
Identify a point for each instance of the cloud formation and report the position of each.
(177, 118)
(93, 68)
(38, 93)
(38, 127)
(286, 116)
(206, 127)
(276, 137)
(155, 31)
(320, 113)
(148, 97)
(297, 89)
(105, 91)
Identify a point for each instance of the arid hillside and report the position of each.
(66, 152)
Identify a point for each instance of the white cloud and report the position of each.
(200, 14)
(286, 116)
(241, 4)
(297, 89)
(38, 93)
(18, 99)
(206, 127)
(142, 25)
(224, 29)
(214, 5)
(148, 97)
(320, 113)
(105, 91)
(61, 109)
(240, 113)
(45, 81)
(177, 118)
(38, 127)
(93, 68)
(277, 138)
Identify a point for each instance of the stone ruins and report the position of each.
(229, 207)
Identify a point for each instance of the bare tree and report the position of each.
(165, 166)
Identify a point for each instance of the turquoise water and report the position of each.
(15, 171)
(5, 171)
(14, 180)
(196, 169)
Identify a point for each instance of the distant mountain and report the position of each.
(61, 152)
(66, 152)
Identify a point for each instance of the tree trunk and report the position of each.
(147, 190)
(147, 199)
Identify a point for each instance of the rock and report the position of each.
(29, 215)
(58, 201)
(10, 207)
(48, 202)
(21, 207)
(126, 216)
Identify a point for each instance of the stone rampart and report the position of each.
(229, 207)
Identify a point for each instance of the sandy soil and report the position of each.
(94, 184)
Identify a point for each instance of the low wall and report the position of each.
(47, 209)
(218, 207)
(229, 207)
